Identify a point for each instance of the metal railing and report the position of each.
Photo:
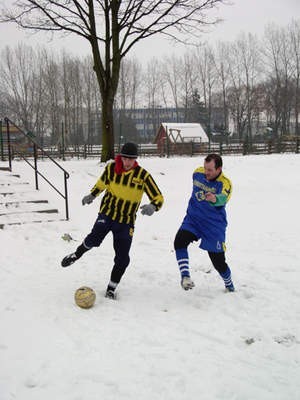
(13, 148)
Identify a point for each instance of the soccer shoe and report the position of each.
(187, 283)
(230, 288)
(110, 294)
(68, 260)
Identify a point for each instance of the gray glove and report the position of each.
(88, 199)
(148, 209)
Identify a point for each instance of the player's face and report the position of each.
(210, 170)
(127, 163)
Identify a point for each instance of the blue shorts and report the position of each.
(211, 238)
(122, 238)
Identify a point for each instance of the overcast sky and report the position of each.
(242, 16)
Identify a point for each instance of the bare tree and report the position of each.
(188, 83)
(123, 85)
(90, 99)
(40, 100)
(153, 80)
(53, 94)
(248, 54)
(277, 57)
(112, 28)
(221, 65)
(66, 96)
(22, 80)
(126, 100)
(75, 78)
(208, 78)
(172, 78)
(294, 31)
(236, 92)
(129, 84)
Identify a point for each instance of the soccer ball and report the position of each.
(85, 297)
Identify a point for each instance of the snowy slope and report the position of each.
(158, 342)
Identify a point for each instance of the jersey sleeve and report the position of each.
(223, 197)
(154, 194)
(101, 183)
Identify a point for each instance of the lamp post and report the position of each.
(120, 142)
(1, 142)
(158, 117)
(144, 130)
(63, 141)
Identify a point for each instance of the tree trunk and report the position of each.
(107, 131)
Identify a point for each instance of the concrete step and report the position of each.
(26, 217)
(15, 189)
(12, 184)
(10, 175)
(8, 203)
(37, 221)
(19, 206)
(24, 205)
(46, 211)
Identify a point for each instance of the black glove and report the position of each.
(148, 209)
(88, 199)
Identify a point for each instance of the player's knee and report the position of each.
(183, 239)
(218, 261)
(179, 243)
(122, 262)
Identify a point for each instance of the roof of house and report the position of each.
(185, 132)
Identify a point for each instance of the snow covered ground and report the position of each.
(157, 342)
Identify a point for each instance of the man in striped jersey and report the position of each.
(206, 220)
(124, 183)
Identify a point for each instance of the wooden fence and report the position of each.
(177, 149)
(186, 149)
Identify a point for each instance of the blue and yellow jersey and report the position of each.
(123, 192)
(202, 211)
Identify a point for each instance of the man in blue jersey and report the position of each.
(205, 220)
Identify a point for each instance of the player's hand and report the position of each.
(210, 197)
(88, 199)
(148, 209)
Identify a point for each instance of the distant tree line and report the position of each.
(246, 81)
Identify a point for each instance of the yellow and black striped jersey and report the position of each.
(123, 192)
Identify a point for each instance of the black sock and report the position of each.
(81, 250)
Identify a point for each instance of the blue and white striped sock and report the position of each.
(183, 262)
(227, 278)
